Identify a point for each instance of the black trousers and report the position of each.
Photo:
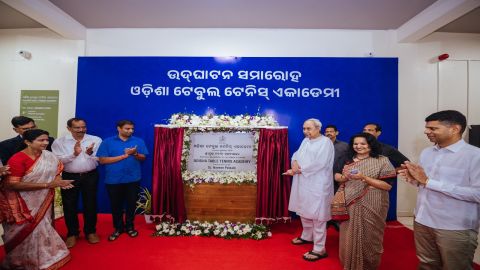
(86, 184)
(123, 196)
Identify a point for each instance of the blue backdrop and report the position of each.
(347, 92)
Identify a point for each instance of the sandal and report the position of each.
(317, 256)
(132, 233)
(300, 241)
(114, 235)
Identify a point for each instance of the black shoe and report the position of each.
(132, 233)
(114, 235)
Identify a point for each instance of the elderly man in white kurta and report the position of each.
(312, 188)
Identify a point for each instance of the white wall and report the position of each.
(53, 66)
(228, 42)
(418, 92)
(417, 71)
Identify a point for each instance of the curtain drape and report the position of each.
(167, 184)
(273, 188)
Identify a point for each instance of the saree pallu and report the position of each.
(361, 237)
(34, 243)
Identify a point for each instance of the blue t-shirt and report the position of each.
(124, 171)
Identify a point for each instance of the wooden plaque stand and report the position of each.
(220, 202)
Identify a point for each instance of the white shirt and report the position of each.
(63, 149)
(312, 190)
(451, 199)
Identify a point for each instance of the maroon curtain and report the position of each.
(167, 184)
(273, 189)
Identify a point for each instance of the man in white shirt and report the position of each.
(312, 188)
(447, 215)
(77, 151)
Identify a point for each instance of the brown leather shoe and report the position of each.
(93, 238)
(71, 241)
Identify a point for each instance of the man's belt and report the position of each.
(81, 173)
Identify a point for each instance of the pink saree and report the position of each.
(31, 242)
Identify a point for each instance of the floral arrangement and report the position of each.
(198, 177)
(219, 123)
(244, 120)
(226, 230)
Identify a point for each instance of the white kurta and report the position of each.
(312, 190)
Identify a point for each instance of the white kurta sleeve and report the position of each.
(321, 160)
(296, 155)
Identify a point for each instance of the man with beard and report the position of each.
(77, 151)
(122, 155)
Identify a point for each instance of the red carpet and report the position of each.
(146, 252)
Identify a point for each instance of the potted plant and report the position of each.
(144, 204)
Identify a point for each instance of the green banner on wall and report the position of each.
(41, 106)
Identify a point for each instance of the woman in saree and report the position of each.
(364, 177)
(26, 197)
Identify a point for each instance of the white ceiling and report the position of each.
(307, 14)
(468, 23)
(13, 19)
(298, 14)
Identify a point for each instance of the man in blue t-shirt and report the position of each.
(122, 155)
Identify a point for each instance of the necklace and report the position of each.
(362, 158)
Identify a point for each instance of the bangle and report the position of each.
(46, 185)
(426, 182)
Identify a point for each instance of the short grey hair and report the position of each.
(315, 122)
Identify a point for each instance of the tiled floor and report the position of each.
(408, 222)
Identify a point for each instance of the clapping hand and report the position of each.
(131, 151)
(403, 173)
(89, 149)
(77, 148)
(413, 172)
(4, 170)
